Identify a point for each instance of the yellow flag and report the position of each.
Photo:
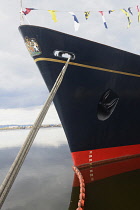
(138, 13)
(128, 16)
(53, 14)
(87, 14)
(138, 16)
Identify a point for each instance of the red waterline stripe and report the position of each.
(90, 156)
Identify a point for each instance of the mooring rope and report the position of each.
(15, 167)
(81, 201)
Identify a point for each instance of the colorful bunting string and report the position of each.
(127, 12)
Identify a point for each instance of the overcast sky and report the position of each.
(21, 85)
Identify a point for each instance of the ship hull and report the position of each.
(98, 77)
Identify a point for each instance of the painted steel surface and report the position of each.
(96, 69)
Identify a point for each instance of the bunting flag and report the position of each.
(53, 14)
(138, 13)
(130, 11)
(76, 22)
(87, 14)
(110, 11)
(128, 16)
(26, 12)
(105, 24)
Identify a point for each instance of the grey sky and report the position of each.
(21, 84)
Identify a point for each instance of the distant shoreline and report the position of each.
(28, 127)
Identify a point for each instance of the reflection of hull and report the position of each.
(97, 126)
(101, 170)
(110, 186)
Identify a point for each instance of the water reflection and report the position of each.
(45, 137)
(46, 180)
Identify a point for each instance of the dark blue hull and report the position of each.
(99, 100)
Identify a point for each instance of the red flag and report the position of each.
(28, 10)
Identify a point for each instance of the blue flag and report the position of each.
(76, 22)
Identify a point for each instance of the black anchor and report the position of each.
(107, 105)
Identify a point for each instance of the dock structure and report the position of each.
(29, 127)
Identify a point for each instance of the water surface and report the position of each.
(45, 179)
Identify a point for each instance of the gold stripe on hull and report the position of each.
(87, 66)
